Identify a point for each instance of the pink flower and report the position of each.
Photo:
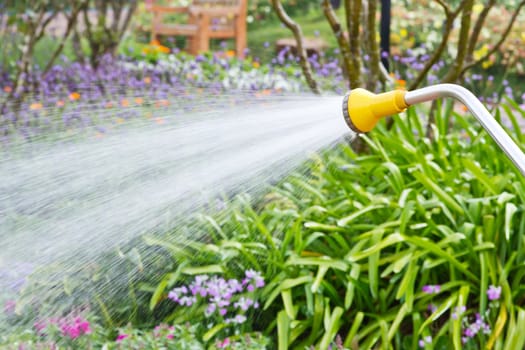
(84, 327)
(74, 329)
(40, 326)
(224, 343)
(121, 337)
(9, 307)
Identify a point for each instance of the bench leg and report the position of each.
(202, 38)
(240, 36)
(157, 18)
(191, 40)
(153, 36)
(202, 43)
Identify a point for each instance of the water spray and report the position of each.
(362, 110)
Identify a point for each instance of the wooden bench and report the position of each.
(313, 46)
(206, 19)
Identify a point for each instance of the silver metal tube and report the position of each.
(504, 141)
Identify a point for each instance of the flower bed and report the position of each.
(412, 244)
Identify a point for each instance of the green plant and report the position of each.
(162, 337)
(396, 247)
(181, 337)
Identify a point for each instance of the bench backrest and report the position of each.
(217, 2)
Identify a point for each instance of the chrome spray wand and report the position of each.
(363, 109)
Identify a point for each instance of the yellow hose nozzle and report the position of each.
(362, 109)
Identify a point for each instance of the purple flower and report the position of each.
(240, 319)
(494, 293)
(431, 307)
(255, 277)
(424, 341)
(235, 285)
(244, 303)
(431, 289)
(210, 309)
(475, 327)
(237, 319)
(177, 293)
(188, 301)
(458, 311)
(469, 332)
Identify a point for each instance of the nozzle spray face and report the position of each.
(362, 109)
(346, 113)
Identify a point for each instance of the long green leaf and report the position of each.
(400, 316)
(480, 175)
(435, 249)
(440, 193)
(348, 219)
(510, 210)
(321, 261)
(283, 329)
(442, 308)
(356, 323)
(387, 241)
(286, 284)
(203, 270)
(350, 287)
(289, 307)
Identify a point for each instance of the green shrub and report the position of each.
(399, 247)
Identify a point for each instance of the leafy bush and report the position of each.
(418, 243)
(415, 244)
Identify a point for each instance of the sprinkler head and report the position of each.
(362, 109)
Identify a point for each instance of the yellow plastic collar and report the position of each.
(366, 108)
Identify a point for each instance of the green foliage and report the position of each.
(347, 249)
(162, 337)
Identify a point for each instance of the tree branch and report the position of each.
(342, 41)
(500, 42)
(457, 66)
(71, 22)
(297, 32)
(449, 24)
(355, 45)
(372, 45)
(445, 6)
(480, 22)
(127, 20)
